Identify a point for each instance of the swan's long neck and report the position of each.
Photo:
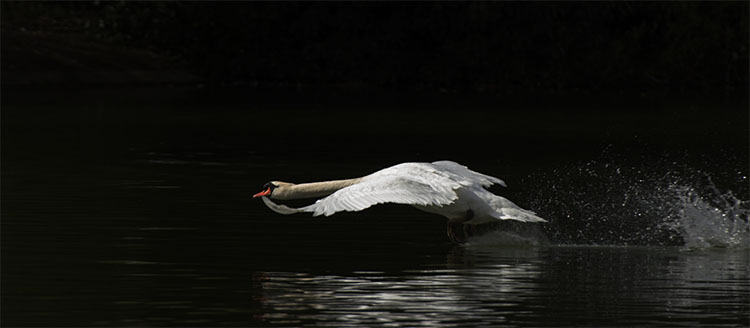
(313, 189)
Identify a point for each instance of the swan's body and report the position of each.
(446, 188)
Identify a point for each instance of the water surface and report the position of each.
(174, 239)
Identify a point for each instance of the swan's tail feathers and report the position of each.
(281, 209)
(520, 214)
(507, 210)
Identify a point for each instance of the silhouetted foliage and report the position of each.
(500, 47)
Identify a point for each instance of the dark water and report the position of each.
(151, 223)
(165, 241)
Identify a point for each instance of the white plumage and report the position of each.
(444, 187)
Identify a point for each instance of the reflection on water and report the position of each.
(443, 296)
(550, 286)
(176, 240)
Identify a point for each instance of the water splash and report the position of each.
(704, 223)
(663, 202)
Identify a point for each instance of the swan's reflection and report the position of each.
(491, 286)
(440, 296)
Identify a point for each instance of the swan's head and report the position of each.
(273, 187)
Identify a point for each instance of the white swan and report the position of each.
(446, 188)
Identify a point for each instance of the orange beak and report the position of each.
(263, 193)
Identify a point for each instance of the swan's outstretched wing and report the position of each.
(408, 183)
(472, 176)
(394, 189)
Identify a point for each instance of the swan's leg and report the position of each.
(470, 230)
(457, 230)
(455, 233)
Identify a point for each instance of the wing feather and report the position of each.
(387, 189)
(471, 176)
(408, 183)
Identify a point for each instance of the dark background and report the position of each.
(538, 72)
(538, 82)
(133, 134)
(580, 50)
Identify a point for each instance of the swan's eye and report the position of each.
(269, 185)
